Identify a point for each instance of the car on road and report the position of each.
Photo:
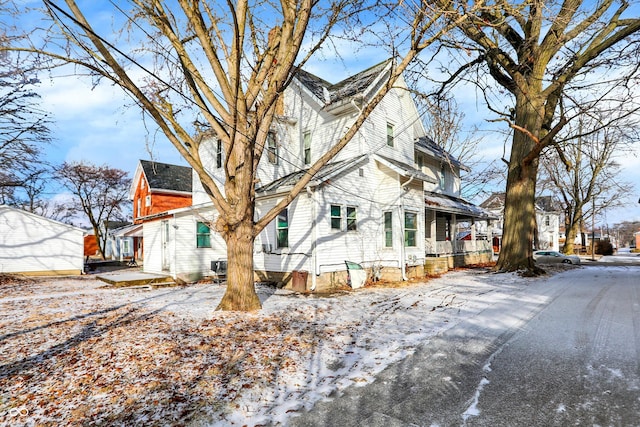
(552, 257)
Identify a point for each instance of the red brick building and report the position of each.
(156, 188)
(159, 187)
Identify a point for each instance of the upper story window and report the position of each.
(272, 148)
(442, 176)
(306, 139)
(203, 235)
(147, 200)
(282, 229)
(390, 135)
(219, 154)
(547, 220)
(142, 183)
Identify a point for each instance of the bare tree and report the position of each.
(225, 66)
(100, 192)
(24, 132)
(586, 172)
(445, 123)
(539, 52)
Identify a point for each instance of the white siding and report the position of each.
(30, 243)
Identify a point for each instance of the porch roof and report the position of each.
(325, 173)
(455, 205)
(404, 169)
(134, 230)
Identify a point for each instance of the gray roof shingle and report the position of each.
(164, 176)
(343, 90)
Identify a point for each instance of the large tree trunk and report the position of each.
(572, 232)
(516, 253)
(240, 294)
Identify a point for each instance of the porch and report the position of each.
(451, 233)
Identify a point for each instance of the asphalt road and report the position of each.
(572, 360)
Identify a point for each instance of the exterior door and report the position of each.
(166, 240)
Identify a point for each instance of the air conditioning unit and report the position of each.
(266, 248)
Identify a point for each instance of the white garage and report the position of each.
(33, 245)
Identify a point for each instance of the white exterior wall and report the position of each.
(33, 244)
(180, 256)
(548, 235)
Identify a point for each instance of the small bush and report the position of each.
(604, 247)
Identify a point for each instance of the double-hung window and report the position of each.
(336, 217)
(352, 223)
(410, 228)
(282, 229)
(203, 235)
(390, 135)
(388, 229)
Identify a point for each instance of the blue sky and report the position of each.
(101, 125)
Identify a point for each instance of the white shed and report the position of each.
(33, 245)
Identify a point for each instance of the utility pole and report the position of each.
(593, 229)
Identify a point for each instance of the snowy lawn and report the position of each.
(78, 352)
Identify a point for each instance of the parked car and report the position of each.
(550, 257)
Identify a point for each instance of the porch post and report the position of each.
(454, 233)
(474, 247)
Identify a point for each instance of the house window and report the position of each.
(351, 219)
(441, 176)
(203, 235)
(336, 217)
(282, 229)
(139, 207)
(389, 134)
(219, 154)
(272, 148)
(388, 230)
(306, 138)
(410, 229)
(126, 247)
(547, 220)
(142, 184)
(147, 200)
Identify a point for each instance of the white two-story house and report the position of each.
(368, 205)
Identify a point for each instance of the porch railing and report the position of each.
(439, 248)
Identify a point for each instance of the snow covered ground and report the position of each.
(77, 352)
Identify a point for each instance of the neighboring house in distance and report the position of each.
(367, 206)
(33, 245)
(156, 188)
(547, 219)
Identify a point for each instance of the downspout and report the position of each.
(403, 266)
(174, 241)
(314, 255)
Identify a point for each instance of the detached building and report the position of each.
(33, 245)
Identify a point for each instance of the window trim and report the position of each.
(390, 135)
(285, 228)
(388, 231)
(352, 223)
(408, 231)
(333, 218)
(200, 234)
